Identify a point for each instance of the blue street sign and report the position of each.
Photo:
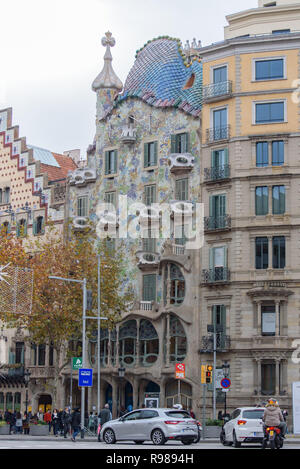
(85, 377)
(225, 383)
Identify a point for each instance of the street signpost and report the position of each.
(179, 374)
(76, 363)
(225, 383)
(85, 377)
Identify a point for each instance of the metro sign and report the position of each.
(180, 371)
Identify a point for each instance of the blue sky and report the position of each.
(51, 52)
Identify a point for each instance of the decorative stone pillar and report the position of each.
(137, 354)
(277, 377)
(259, 318)
(168, 341)
(258, 361)
(277, 309)
(114, 385)
(135, 391)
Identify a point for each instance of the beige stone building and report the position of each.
(250, 188)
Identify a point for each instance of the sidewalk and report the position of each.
(290, 439)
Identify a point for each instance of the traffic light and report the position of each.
(208, 374)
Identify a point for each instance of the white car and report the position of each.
(244, 426)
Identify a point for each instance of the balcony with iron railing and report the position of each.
(217, 223)
(216, 275)
(217, 91)
(217, 134)
(217, 173)
(222, 343)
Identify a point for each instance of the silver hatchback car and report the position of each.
(156, 425)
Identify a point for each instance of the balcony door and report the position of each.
(220, 123)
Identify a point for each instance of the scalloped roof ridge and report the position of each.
(159, 75)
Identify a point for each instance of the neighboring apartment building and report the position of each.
(147, 147)
(32, 192)
(250, 189)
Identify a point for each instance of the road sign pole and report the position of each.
(214, 372)
(71, 386)
(83, 356)
(204, 412)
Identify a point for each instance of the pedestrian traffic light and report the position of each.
(208, 374)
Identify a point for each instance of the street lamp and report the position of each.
(26, 379)
(225, 369)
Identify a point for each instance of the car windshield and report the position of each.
(253, 414)
(178, 415)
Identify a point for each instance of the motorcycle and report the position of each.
(273, 438)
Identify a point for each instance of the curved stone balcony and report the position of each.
(80, 223)
(128, 134)
(82, 176)
(148, 260)
(181, 162)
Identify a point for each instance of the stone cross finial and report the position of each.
(108, 40)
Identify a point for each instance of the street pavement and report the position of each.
(50, 442)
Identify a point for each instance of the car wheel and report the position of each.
(197, 438)
(109, 436)
(236, 443)
(157, 437)
(139, 442)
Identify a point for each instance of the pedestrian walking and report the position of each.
(192, 413)
(19, 423)
(122, 411)
(66, 421)
(75, 423)
(25, 423)
(105, 415)
(48, 418)
(12, 423)
(55, 422)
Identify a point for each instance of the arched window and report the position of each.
(149, 343)
(127, 343)
(177, 285)
(178, 341)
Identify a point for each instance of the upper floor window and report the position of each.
(5, 195)
(111, 159)
(180, 143)
(21, 230)
(262, 200)
(272, 112)
(39, 226)
(110, 198)
(220, 74)
(263, 149)
(181, 189)
(82, 206)
(150, 194)
(270, 69)
(150, 154)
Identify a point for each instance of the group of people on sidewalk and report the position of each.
(17, 422)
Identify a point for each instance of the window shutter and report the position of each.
(213, 159)
(155, 153)
(211, 258)
(34, 227)
(115, 161)
(187, 143)
(106, 162)
(146, 155)
(149, 287)
(173, 144)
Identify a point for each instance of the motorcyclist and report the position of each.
(273, 417)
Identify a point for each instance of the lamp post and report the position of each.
(225, 369)
(26, 378)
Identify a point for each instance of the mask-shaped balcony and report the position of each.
(128, 134)
(82, 176)
(80, 223)
(181, 162)
(148, 260)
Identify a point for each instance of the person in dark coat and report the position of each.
(12, 423)
(105, 415)
(75, 423)
(66, 421)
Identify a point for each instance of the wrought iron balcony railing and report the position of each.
(217, 223)
(217, 90)
(222, 343)
(216, 275)
(217, 173)
(216, 134)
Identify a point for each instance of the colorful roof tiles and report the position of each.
(160, 74)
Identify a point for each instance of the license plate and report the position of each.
(271, 433)
(257, 434)
(187, 429)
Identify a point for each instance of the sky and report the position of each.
(51, 52)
